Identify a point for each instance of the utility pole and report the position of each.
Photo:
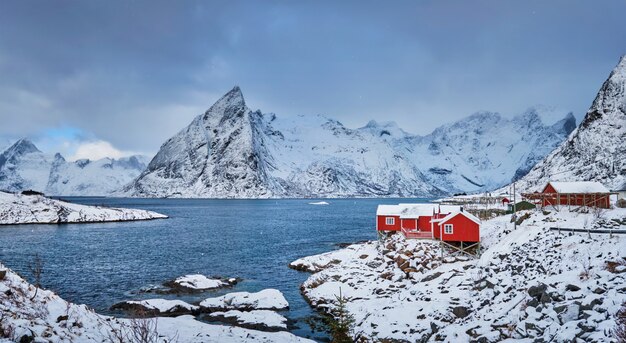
(514, 209)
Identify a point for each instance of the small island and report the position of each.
(38, 209)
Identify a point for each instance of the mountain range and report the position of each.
(24, 167)
(231, 151)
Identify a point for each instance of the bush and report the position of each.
(621, 203)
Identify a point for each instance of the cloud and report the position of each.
(98, 149)
(135, 73)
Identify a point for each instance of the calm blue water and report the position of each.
(101, 264)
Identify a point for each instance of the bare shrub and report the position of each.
(139, 329)
(36, 268)
(586, 273)
(598, 213)
(621, 203)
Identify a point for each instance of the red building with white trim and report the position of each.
(425, 220)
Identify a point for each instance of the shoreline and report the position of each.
(523, 286)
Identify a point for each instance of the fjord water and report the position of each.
(101, 264)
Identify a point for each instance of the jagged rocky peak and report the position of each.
(23, 146)
(611, 98)
(566, 125)
(231, 105)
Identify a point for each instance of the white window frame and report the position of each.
(390, 221)
(446, 227)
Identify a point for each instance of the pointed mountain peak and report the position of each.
(611, 99)
(566, 125)
(233, 97)
(23, 146)
(232, 103)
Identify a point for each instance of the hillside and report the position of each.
(529, 284)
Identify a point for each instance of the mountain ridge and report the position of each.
(230, 151)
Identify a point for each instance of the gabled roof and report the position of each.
(414, 211)
(454, 214)
(578, 187)
(388, 210)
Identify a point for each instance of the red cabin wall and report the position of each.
(423, 223)
(575, 199)
(464, 230)
(382, 224)
(409, 223)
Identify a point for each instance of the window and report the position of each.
(448, 229)
(390, 220)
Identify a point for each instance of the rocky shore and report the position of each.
(531, 283)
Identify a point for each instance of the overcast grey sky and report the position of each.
(131, 74)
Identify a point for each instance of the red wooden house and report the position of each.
(459, 226)
(578, 193)
(424, 220)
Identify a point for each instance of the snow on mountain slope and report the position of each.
(485, 150)
(86, 177)
(23, 166)
(36, 209)
(232, 152)
(595, 151)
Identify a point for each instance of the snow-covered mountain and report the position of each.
(596, 150)
(231, 151)
(23, 166)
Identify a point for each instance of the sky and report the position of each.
(114, 78)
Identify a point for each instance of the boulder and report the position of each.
(460, 311)
(154, 307)
(572, 288)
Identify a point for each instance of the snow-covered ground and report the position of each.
(529, 283)
(36, 209)
(25, 311)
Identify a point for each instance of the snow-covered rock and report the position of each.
(160, 307)
(233, 152)
(37, 209)
(529, 284)
(24, 167)
(256, 319)
(46, 317)
(198, 283)
(267, 299)
(595, 151)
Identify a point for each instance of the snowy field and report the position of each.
(37, 209)
(530, 283)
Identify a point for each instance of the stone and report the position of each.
(572, 288)
(599, 290)
(3, 274)
(537, 291)
(62, 318)
(460, 311)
